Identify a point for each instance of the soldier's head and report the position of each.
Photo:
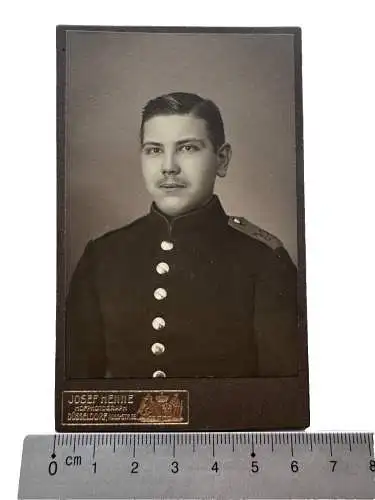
(183, 150)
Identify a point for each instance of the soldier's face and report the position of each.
(179, 163)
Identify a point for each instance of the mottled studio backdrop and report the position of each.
(110, 76)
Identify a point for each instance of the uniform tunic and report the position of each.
(199, 295)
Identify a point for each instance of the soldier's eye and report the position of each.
(152, 150)
(189, 148)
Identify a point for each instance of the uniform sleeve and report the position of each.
(86, 356)
(275, 316)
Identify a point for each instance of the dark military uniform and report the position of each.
(200, 295)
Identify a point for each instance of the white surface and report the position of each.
(339, 172)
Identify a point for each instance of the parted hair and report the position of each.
(185, 103)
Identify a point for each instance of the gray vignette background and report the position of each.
(110, 76)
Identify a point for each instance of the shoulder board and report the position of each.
(256, 232)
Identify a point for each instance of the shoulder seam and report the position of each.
(118, 229)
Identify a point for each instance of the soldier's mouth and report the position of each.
(170, 186)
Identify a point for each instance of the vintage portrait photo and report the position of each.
(181, 261)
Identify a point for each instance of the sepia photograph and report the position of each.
(181, 296)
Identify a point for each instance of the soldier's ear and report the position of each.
(224, 154)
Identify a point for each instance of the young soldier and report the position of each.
(186, 290)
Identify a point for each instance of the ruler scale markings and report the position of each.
(329, 484)
(330, 445)
(54, 447)
(311, 443)
(174, 446)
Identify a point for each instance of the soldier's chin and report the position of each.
(173, 205)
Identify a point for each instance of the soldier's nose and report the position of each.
(170, 165)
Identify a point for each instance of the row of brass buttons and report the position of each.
(158, 323)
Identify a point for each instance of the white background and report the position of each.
(339, 87)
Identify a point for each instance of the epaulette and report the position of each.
(256, 232)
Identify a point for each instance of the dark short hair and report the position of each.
(185, 103)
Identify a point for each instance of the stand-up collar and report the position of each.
(209, 216)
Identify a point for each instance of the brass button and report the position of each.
(158, 323)
(166, 245)
(162, 268)
(159, 374)
(160, 293)
(157, 348)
